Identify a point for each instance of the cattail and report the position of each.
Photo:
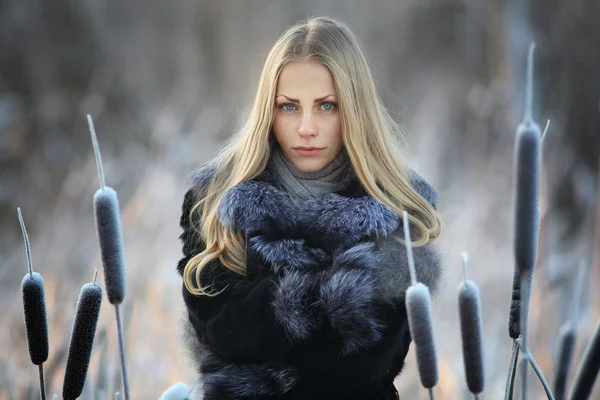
(418, 307)
(34, 307)
(566, 345)
(527, 180)
(471, 328)
(108, 227)
(587, 370)
(36, 320)
(82, 339)
(106, 211)
(34, 310)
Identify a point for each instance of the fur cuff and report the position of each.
(348, 294)
(232, 381)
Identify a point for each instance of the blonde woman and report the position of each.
(294, 267)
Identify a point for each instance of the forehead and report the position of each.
(305, 76)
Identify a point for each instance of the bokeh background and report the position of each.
(167, 82)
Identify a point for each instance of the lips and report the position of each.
(308, 151)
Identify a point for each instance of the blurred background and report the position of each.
(167, 82)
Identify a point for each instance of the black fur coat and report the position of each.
(321, 314)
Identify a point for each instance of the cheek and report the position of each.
(334, 132)
(280, 128)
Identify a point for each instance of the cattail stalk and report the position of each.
(527, 356)
(545, 131)
(566, 345)
(108, 228)
(568, 335)
(418, 307)
(588, 369)
(34, 312)
(512, 371)
(526, 290)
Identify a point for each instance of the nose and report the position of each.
(308, 127)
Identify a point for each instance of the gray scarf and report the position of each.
(308, 185)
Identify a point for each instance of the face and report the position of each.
(307, 122)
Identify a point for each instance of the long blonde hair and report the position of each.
(368, 132)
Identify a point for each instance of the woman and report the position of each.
(294, 266)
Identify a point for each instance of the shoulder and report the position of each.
(190, 237)
(200, 178)
(197, 182)
(423, 187)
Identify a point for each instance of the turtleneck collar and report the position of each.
(307, 185)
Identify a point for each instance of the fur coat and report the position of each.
(320, 314)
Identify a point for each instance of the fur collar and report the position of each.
(340, 219)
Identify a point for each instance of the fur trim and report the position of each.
(292, 252)
(424, 189)
(255, 206)
(361, 256)
(344, 221)
(347, 294)
(294, 305)
(235, 381)
(393, 275)
(201, 177)
(347, 299)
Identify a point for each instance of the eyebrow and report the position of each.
(298, 101)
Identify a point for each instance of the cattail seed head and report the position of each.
(108, 228)
(526, 224)
(82, 340)
(471, 328)
(418, 307)
(36, 318)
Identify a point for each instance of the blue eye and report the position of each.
(328, 106)
(288, 106)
